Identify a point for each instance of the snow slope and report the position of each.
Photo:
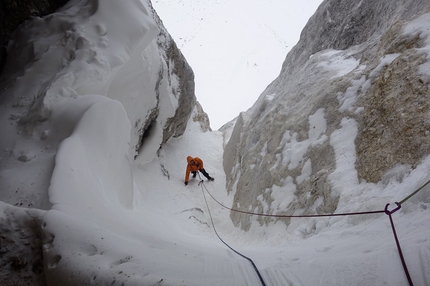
(106, 230)
(167, 235)
(99, 217)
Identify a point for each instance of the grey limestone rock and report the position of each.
(391, 113)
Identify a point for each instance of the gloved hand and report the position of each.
(186, 183)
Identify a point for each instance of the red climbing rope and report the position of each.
(386, 211)
(405, 268)
(291, 216)
(260, 277)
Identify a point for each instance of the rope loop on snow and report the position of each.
(292, 216)
(386, 211)
(202, 184)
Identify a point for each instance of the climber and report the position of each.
(194, 165)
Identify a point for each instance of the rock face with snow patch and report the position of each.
(13, 14)
(360, 76)
(135, 62)
(61, 68)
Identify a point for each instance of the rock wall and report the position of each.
(175, 78)
(394, 125)
(152, 74)
(57, 68)
(285, 142)
(14, 13)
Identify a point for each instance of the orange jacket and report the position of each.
(194, 165)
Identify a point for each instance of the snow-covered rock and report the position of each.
(75, 52)
(359, 74)
(101, 57)
(98, 115)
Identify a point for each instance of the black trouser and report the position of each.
(203, 171)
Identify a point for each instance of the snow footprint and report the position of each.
(121, 261)
(324, 249)
(89, 249)
(53, 262)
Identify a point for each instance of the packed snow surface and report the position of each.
(112, 220)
